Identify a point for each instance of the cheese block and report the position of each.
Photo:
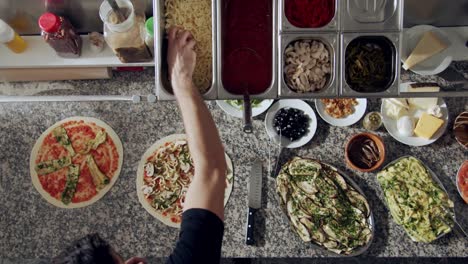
(428, 46)
(423, 103)
(427, 126)
(424, 88)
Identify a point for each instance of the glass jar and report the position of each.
(126, 38)
(60, 34)
(149, 39)
(372, 121)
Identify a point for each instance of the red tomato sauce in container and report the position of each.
(247, 45)
(309, 13)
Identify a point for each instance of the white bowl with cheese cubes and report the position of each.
(415, 121)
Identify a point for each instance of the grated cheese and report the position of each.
(195, 16)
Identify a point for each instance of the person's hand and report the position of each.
(135, 260)
(181, 57)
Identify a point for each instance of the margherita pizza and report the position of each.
(164, 175)
(76, 161)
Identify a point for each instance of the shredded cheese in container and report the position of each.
(195, 16)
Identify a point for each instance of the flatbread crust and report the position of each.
(35, 177)
(140, 174)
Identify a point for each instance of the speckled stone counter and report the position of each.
(32, 228)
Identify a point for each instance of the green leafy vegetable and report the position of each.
(368, 64)
(61, 136)
(72, 181)
(50, 166)
(240, 103)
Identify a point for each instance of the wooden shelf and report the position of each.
(40, 55)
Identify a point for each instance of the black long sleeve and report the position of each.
(200, 239)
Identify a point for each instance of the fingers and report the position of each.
(136, 260)
(191, 43)
(185, 36)
(172, 34)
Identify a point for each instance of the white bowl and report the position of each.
(391, 126)
(239, 113)
(359, 111)
(437, 63)
(291, 103)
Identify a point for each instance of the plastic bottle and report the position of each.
(11, 39)
(149, 39)
(59, 33)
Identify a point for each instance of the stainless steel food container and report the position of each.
(433, 176)
(163, 86)
(393, 88)
(286, 26)
(272, 91)
(332, 43)
(371, 15)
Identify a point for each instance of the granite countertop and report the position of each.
(31, 228)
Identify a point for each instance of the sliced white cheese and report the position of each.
(396, 108)
(423, 103)
(425, 89)
(402, 102)
(428, 46)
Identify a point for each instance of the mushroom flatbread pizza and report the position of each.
(76, 161)
(164, 175)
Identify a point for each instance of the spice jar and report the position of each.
(11, 39)
(126, 38)
(60, 34)
(149, 38)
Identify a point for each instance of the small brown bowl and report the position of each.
(460, 129)
(362, 136)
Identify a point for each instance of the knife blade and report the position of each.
(255, 199)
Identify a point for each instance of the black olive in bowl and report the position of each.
(291, 123)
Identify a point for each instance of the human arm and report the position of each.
(207, 188)
(202, 225)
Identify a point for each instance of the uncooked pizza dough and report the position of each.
(141, 172)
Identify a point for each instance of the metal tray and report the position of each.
(434, 178)
(331, 41)
(163, 86)
(286, 26)
(370, 219)
(272, 91)
(371, 15)
(393, 88)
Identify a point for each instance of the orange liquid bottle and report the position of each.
(17, 45)
(11, 39)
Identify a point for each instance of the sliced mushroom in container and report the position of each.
(307, 66)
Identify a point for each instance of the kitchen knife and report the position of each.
(255, 199)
